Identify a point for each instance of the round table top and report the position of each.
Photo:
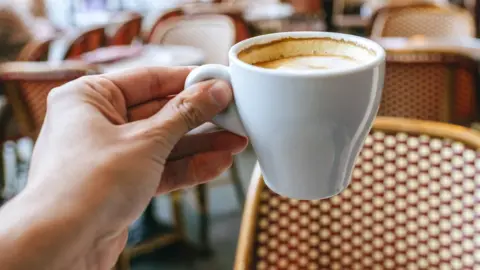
(264, 12)
(213, 8)
(467, 46)
(158, 55)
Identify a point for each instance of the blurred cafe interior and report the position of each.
(414, 199)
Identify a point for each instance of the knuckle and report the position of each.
(54, 95)
(188, 112)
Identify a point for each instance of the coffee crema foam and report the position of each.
(306, 54)
(310, 62)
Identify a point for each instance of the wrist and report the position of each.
(52, 239)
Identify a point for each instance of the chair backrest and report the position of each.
(436, 86)
(412, 204)
(233, 10)
(214, 34)
(242, 30)
(127, 31)
(85, 41)
(27, 85)
(423, 19)
(35, 50)
(164, 16)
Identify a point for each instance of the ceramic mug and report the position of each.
(307, 127)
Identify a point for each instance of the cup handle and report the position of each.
(229, 118)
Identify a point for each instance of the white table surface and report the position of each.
(273, 11)
(467, 46)
(159, 55)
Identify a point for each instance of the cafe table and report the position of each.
(154, 55)
(119, 58)
(213, 8)
(468, 46)
(270, 11)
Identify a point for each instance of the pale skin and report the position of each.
(109, 144)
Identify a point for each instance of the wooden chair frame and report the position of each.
(77, 42)
(35, 50)
(345, 21)
(243, 259)
(167, 15)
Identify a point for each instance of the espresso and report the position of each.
(310, 62)
(301, 54)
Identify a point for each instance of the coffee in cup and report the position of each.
(306, 54)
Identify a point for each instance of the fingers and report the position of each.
(194, 170)
(142, 85)
(217, 141)
(146, 110)
(189, 109)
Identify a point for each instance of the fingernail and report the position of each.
(221, 93)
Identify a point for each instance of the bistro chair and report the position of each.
(430, 85)
(214, 34)
(412, 204)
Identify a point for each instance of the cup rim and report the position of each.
(378, 59)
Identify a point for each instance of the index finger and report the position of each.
(142, 85)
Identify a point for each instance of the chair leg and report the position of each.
(176, 199)
(237, 184)
(202, 200)
(123, 262)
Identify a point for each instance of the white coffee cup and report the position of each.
(306, 127)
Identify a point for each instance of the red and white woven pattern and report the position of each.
(35, 96)
(427, 20)
(416, 91)
(431, 86)
(413, 204)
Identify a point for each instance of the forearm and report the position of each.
(33, 235)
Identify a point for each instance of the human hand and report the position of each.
(110, 143)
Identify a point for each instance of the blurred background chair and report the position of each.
(346, 15)
(230, 9)
(199, 31)
(85, 40)
(35, 50)
(430, 85)
(27, 85)
(160, 19)
(423, 19)
(411, 205)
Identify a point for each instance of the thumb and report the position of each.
(191, 108)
